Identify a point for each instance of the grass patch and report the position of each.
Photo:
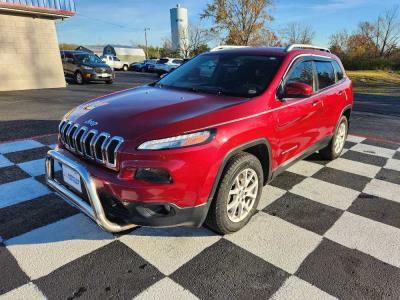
(373, 82)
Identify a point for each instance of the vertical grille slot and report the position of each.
(87, 142)
(70, 132)
(111, 150)
(78, 139)
(98, 146)
(64, 132)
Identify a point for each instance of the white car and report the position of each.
(115, 63)
(166, 65)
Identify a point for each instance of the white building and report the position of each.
(179, 27)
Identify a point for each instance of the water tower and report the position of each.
(179, 27)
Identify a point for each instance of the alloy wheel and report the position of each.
(242, 195)
(340, 138)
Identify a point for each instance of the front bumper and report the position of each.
(111, 214)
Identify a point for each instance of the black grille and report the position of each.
(100, 147)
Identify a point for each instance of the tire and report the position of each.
(79, 78)
(125, 68)
(220, 218)
(336, 145)
(110, 81)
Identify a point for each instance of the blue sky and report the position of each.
(123, 21)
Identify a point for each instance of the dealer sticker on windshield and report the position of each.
(72, 178)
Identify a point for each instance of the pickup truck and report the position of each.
(115, 63)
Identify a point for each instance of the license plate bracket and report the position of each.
(72, 178)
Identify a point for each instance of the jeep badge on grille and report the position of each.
(91, 122)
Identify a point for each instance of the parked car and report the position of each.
(115, 62)
(166, 65)
(199, 145)
(85, 67)
(143, 67)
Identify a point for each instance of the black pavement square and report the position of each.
(226, 271)
(342, 178)
(11, 275)
(391, 146)
(26, 216)
(389, 175)
(287, 180)
(348, 145)
(378, 209)
(349, 274)
(111, 272)
(27, 155)
(12, 173)
(365, 158)
(316, 158)
(305, 213)
(48, 140)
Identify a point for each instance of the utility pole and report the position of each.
(145, 38)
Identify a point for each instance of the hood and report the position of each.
(136, 112)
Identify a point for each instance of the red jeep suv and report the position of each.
(198, 145)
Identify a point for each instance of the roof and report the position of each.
(53, 9)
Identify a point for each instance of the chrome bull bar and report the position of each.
(95, 210)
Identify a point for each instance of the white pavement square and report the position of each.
(278, 242)
(19, 146)
(22, 190)
(326, 193)
(44, 250)
(374, 238)
(177, 245)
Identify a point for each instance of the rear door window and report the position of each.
(338, 71)
(325, 74)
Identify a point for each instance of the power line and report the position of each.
(109, 23)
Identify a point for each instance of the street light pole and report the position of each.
(145, 38)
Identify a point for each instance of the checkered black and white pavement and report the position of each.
(324, 230)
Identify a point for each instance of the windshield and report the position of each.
(224, 74)
(88, 58)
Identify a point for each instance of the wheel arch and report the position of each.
(260, 148)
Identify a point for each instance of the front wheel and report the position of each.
(238, 194)
(79, 78)
(336, 145)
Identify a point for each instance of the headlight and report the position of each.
(87, 68)
(186, 140)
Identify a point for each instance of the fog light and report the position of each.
(153, 175)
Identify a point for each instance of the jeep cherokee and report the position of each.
(198, 145)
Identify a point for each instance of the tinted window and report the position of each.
(338, 71)
(303, 72)
(224, 74)
(88, 58)
(326, 75)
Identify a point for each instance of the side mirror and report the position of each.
(163, 75)
(298, 90)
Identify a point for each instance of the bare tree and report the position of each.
(196, 41)
(298, 33)
(339, 42)
(388, 31)
(240, 21)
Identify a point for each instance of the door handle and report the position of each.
(315, 103)
(340, 93)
